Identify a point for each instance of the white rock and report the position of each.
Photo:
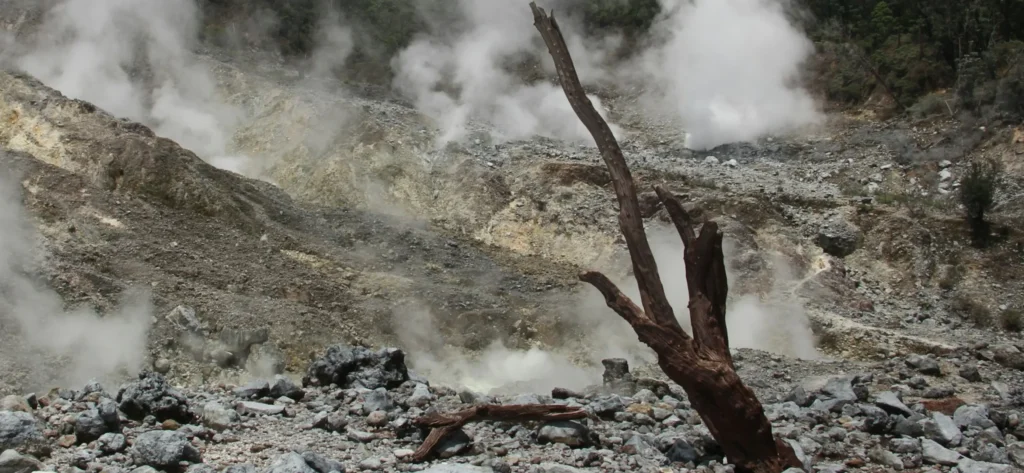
(710, 160)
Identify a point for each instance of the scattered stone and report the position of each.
(888, 401)
(348, 367)
(966, 465)
(377, 419)
(453, 444)
(253, 390)
(972, 416)
(970, 373)
(111, 442)
(151, 395)
(884, 457)
(682, 452)
(942, 429)
(617, 378)
(935, 454)
(568, 433)
(839, 239)
(258, 409)
(284, 387)
(420, 396)
(289, 463)
(18, 429)
(924, 365)
(14, 462)
(218, 417)
(321, 464)
(164, 449)
(14, 403)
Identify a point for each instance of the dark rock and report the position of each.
(348, 366)
(617, 378)
(924, 365)
(681, 452)
(110, 443)
(876, 421)
(800, 397)
(970, 373)
(606, 406)
(284, 387)
(164, 449)
(453, 444)
(568, 433)
(151, 395)
(909, 426)
(321, 464)
(839, 239)
(253, 390)
(18, 429)
(89, 426)
(892, 404)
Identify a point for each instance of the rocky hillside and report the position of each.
(876, 334)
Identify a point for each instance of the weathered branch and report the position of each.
(702, 365)
(652, 293)
(444, 424)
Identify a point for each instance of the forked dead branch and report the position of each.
(701, 363)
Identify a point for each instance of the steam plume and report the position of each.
(727, 68)
(39, 328)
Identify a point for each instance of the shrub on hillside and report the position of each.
(977, 195)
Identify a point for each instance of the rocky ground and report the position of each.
(877, 336)
(355, 410)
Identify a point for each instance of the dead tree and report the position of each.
(701, 363)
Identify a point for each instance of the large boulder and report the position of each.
(164, 449)
(348, 367)
(839, 238)
(18, 429)
(151, 395)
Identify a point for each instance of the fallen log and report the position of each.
(702, 363)
(443, 424)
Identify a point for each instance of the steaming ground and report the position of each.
(465, 254)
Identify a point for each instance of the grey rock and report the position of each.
(970, 373)
(972, 416)
(617, 378)
(164, 449)
(909, 426)
(184, 318)
(990, 453)
(18, 429)
(348, 366)
(240, 341)
(682, 452)
(321, 464)
(145, 469)
(289, 463)
(800, 397)
(377, 400)
(606, 406)
(258, 409)
(801, 455)
(253, 390)
(568, 433)
(14, 462)
(838, 238)
(942, 429)
(371, 464)
(884, 457)
(966, 465)
(924, 365)
(151, 395)
(111, 442)
(1015, 451)
(243, 468)
(218, 417)
(938, 392)
(89, 426)
(284, 387)
(876, 421)
(905, 445)
(840, 389)
(420, 396)
(892, 404)
(377, 419)
(935, 454)
(453, 444)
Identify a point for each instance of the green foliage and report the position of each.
(976, 312)
(930, 105)
(629, 16)
(977, 194)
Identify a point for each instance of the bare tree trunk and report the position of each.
(701, 364)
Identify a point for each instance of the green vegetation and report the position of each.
(1012, 320)
(933, 56)
(977, 194)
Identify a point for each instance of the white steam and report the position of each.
(776, 323)
(38, 328)
(133, 58)
(471, 77)
(727, 69)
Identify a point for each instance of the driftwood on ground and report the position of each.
(442, 425)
